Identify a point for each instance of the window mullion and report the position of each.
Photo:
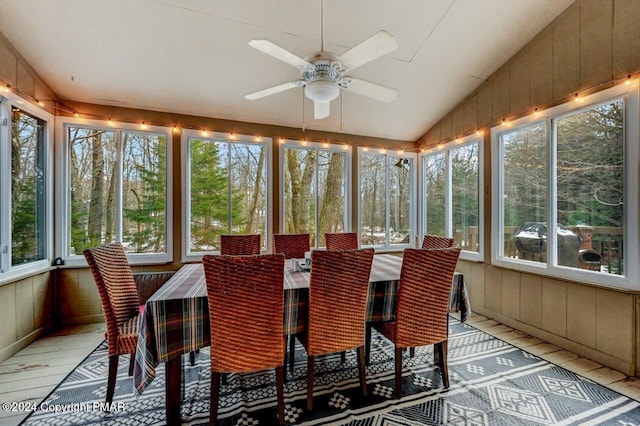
(448, 204)
(5, 185)
(119, 177)
(387, 189)
(229, 190)
(552, 188)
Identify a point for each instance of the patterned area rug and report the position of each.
(492, 383)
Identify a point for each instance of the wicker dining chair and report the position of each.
(422, 307)
(246, 298)
(121, 302)
(248, 244)
(341, 241)
(293, 246)
(338, 289)
(436, 242)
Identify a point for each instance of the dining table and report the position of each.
(176, 318)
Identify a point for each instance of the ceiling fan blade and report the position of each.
(275, 89)
(321, 110)
(372, 48)
(278, 52)
(372, 90)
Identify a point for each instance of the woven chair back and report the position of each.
(423, 296)
(117, 288)
(293, 246)
(237, 245)
(246, 306)
(436, 242)
(338, 289)
(341, 241)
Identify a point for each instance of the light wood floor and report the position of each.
(31, 374)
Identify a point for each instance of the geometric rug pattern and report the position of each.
(492, 383)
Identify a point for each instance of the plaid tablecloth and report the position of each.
(176, 317)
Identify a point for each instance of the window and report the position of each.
(386, 199)
(452, 204)
(25, 203)
(314, 189)
(226, 189)
(566, 189)
(117, 189)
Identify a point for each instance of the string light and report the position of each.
(204, 132)
(60, 106)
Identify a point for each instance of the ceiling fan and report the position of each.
(323, 73)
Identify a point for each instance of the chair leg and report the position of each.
(412, 352)
(343, 356)
(280, 392)
(442, 349)
(367, 343)
(310, 382)
(111, 379)
(292, 352)
(215, 392)
(192, 358)
(398, 372)
(361, 370)
(132, 363)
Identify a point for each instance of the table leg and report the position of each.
(173, 371)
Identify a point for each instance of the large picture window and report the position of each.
(564, 196)
(452, 204)
(117, 189)
(25, 206)
(226, 189)
(314, 182)
(386, 198)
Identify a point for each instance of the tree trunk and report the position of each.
(331, 217)
(256, 193)
(96, 205)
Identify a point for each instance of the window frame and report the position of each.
(317, 146)
(10, 272)
(185, 137)
(447, 148)
(62, 192)
(386, 247)
(631, 122)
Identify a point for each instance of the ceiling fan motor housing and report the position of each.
(325, 78)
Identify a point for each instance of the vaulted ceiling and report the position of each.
(192, 56)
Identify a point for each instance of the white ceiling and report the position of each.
(192, 56)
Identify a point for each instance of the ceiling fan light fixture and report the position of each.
(321, 90)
